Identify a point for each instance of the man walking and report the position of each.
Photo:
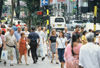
(67, 35)
(11, 43)
(34, 41)
(18, 36)
(89, 56)
(40, 50)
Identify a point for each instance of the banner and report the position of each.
(60, 0)
(53, 1)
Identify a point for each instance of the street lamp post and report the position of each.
(77, 4)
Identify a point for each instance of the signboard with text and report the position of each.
(44, 2)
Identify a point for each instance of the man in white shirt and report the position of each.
(40, 49)
(89, 56)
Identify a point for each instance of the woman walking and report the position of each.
(22, 48)
(61, 43)
(84, 40)
(72, 52)
(52, 45)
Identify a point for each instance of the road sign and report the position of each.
(44, 2)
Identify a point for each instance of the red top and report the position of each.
(18, 25)
(4, 29)
(22, 47)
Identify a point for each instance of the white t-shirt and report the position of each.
(41, 35)
(26, 33)
(89, 56)
(45, 36)
(61, 42)
(0, 40)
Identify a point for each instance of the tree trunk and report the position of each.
(29, 21)
(18, 9)
(13, 6)
(1, 4)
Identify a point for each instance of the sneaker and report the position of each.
(34, 62)
(57, 63)
(11, 65)
(5, 63)
(51, 61)
(0, 60)
(43, 58)
(17, 62)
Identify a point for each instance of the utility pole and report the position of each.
(95, 14)
(48, 23)
(77, 5)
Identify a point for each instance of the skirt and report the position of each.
(53, 47)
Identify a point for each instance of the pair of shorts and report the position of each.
(53, 48)
(61, 55)
(11, 51)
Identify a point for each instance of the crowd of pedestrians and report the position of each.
(72, 50)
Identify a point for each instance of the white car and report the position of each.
(73, 23)
(57, 22)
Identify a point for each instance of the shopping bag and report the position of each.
(4, 55)
(27, 46)
(49, 54)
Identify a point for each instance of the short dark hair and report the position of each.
(90, 30)
(3, 32)
(76, 26)
(18, 22)
(33, 28)
(82, 27)
(22, 34)
(84, 32)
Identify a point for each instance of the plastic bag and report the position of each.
(4, 55)
(27, 46)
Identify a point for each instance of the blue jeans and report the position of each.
(61, 54)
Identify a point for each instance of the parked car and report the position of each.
(57, 23)
(73, 23)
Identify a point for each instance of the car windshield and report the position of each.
(59, 20)
(78, 21)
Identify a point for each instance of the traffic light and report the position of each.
(39, 13)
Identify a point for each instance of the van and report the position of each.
(57, 23)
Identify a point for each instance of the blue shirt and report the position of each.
(17, 35)
(14, 28)
(33, 36)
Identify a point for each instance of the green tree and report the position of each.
(32, 6)
(18, 9)
(12, 14)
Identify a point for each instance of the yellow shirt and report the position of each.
(84, 40)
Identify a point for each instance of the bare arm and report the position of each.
(38, 40)
(66, 43)
(56, 44)
(99, 40)
(50, 44)
(4, 44)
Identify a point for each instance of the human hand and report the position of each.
(0, 46)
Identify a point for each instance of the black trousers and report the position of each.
(33, 46)
(0, 52)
